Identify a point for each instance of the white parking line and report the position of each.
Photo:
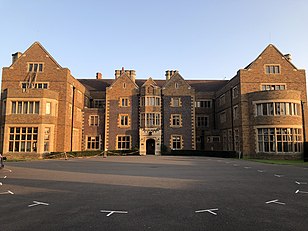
(7, 192)
(277, 175)
(298, 191)
(38, 203)
(276, 202)
(260, 170)
(207, 210)
(247, 167)
(110, 212)
(297, 182)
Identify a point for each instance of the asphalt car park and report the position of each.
(152, 193)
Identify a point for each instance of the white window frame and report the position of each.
(94, 120)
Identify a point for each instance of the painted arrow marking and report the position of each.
(8, 192)
(0, 183)
(298, 191)
(296, 182)
(38, 203)
(4, 177)
(112, 212)
(276, 202)
(207, 210)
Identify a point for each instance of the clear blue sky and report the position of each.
(203, 39)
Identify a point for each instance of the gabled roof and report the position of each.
(268, 47)
(149, 81)
(124, 75)
(176, 74)
(44, 50)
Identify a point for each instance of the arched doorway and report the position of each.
(150, 144)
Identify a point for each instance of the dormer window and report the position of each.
(272, 69)
(35, 67)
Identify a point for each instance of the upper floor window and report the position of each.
(176, 120)
(48, 108)
(223, 117)
(202, 121)
(150, 101)
(272, 69)
(277, 109)
(35, 67)
(204, 103)
(176, 102)
(235, 92)
(150, 119)
(98, 103)
(124, 102)
(25, 107)
(123, 120)
(38, 85)
(94, 120)
(273, 87)
(235, 112)
(222, 100)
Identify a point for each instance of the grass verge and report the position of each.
(282, 162)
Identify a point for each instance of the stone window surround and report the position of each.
(176, 140)
(124, 142)
(176, 120)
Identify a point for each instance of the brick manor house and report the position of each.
(261, 111)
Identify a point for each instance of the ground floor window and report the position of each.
(123, 142)
(23, 139)
(46, 139)
(279, 140)
(176, 142)
(236, 140)
(93, 143)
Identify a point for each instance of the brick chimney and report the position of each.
(169, 73)
(16, 56)
(99, 75)
(130, 73)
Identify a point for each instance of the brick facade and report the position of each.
(259, 112)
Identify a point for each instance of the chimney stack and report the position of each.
(170, 73)
(16, 56)
(130, 73)
(99, 75)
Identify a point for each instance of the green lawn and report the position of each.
(287, 162)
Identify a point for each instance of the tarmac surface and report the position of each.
(152, 193)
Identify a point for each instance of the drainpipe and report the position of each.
(72, 125)
(232, 124)
(305, 144)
